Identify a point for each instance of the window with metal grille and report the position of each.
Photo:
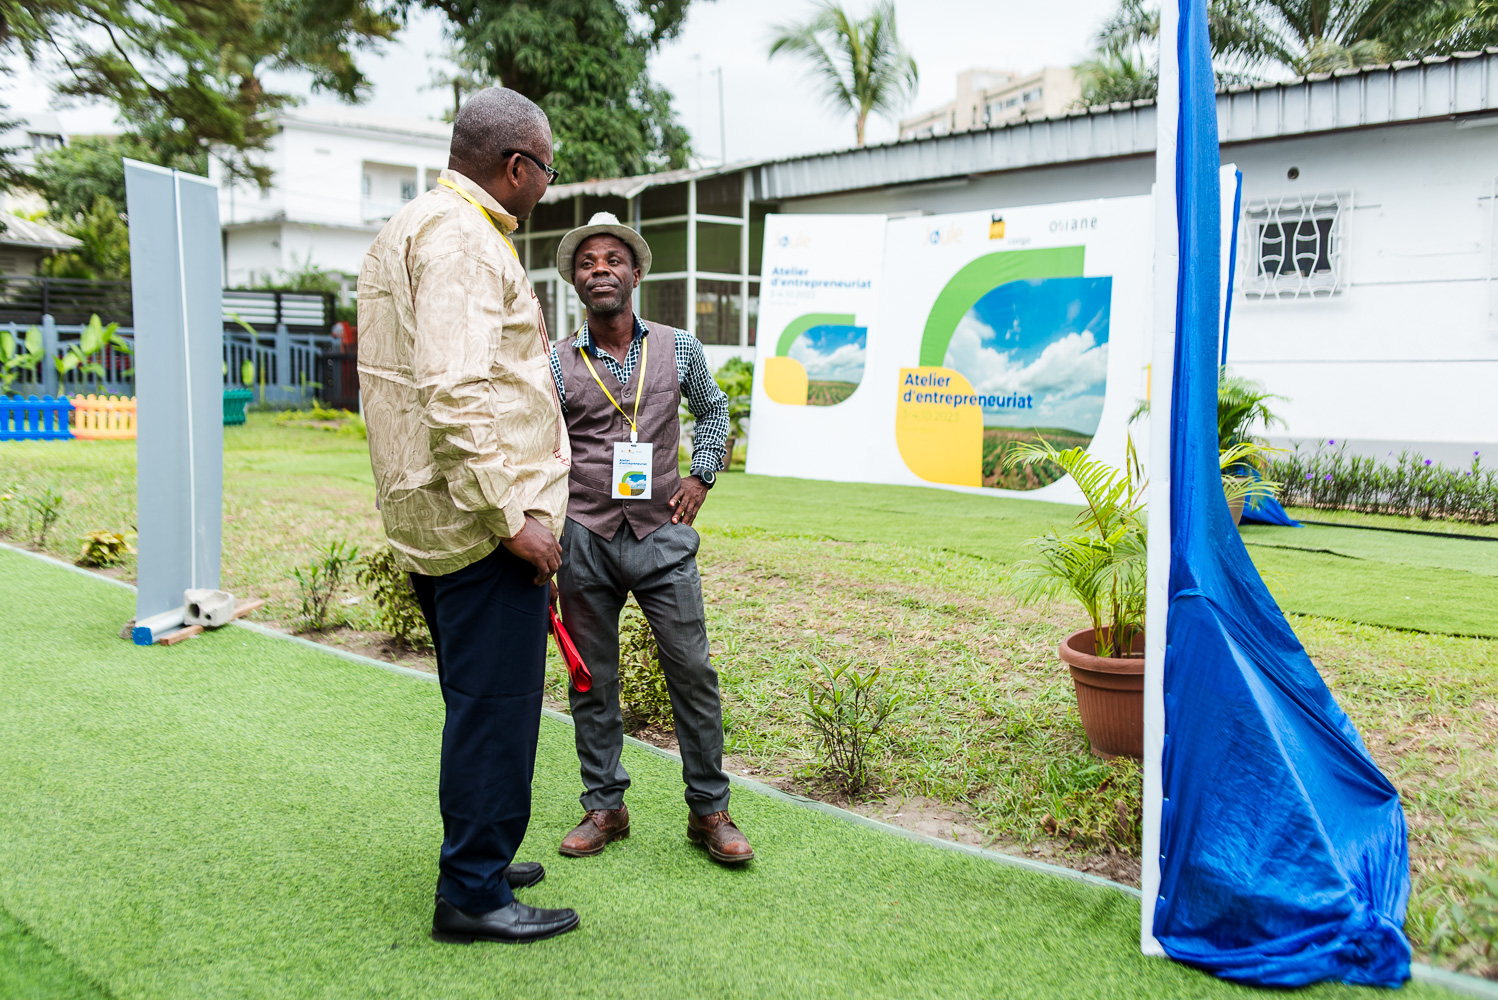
(408, 190)
(1295, 247)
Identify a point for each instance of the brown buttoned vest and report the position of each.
(594, 425)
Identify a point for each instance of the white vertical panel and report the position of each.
(1162, 377)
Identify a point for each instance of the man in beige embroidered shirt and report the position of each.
(470, 463)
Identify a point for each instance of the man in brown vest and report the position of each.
(629, 530)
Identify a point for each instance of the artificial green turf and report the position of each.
(239, 816)
(1397, 548)
(30, 968)
(1383, 578)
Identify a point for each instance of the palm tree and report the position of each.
(1255, 38)
(1122, 69)
(859, 61)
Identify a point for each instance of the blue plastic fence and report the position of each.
(35, 418)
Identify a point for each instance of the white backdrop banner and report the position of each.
(919, 351)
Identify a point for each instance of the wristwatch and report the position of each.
(708, 478)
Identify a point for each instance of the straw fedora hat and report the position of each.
(604, 223)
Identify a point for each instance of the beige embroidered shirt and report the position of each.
(465, 431)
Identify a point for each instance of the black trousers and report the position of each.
(489, 624)
(597, 576)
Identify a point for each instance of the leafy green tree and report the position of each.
(859, 62)
(188, 75)
(89, 167)
(585, 63)
(105, 254)
(465, 77)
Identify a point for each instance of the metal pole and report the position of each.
(51, 379)
(692, 257)
(634, 222)
(744, 261)
(722, 123)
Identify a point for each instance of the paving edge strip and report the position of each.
(1457, 982)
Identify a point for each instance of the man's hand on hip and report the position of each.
(535, 543)
(688, 500)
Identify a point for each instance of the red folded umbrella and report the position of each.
(576, 668)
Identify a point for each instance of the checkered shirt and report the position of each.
(704, 399)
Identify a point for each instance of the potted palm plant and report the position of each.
(1242, 410)
(1101, 563)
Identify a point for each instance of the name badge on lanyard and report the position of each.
(633, 470)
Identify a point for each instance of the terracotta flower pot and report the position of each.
(1235, 507)
(1110, 695)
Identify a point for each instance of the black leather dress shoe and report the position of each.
(519, 875)
(516, 923)
(522, 874)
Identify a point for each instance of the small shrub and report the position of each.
(343, 422)
(354, 426)
(390, 586)
(319, 581)
(1467, 930)
(104, 548)
(11, 504)
(1100, 804)
(1409, 485)
(46, 507)
(642, 684)
(847, 708)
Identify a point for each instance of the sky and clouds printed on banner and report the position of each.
(1045, 338)
(832, 353)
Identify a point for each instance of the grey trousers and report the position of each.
(660, 569)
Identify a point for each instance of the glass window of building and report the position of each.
(718, 248)
(618, 207)
(665, 302)
(717, 311)
(668, 247)
(557, 215)
(721, 195)
(663, 201)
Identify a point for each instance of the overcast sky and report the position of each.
(771, 109)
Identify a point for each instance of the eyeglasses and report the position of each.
(552, 173)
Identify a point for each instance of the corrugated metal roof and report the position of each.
(1437, 87)
(629, 187)
(21, 232)
(1433, 88)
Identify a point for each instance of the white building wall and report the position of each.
(1406, 355)
(315, 209)
(251, 254)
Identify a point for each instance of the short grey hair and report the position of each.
(493, 120)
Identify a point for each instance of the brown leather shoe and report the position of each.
(724, 841)
(593, 834)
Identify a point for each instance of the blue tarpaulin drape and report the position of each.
(1284, 857)
(1267, 510)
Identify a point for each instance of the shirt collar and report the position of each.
(507, 222)
(585, 339)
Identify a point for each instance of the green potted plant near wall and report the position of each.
(1242, 410)
(1101, 563)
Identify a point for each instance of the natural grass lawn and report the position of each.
(242, 817)
(989, 748)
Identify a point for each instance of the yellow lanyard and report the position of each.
(634, 428)
(474, 202)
